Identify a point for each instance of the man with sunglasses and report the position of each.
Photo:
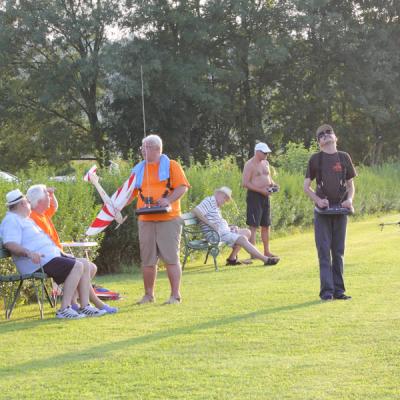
(258, 181)
(334, 173)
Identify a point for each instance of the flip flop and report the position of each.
(272, 261)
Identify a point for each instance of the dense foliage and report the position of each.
(376, 191)
(218, 75)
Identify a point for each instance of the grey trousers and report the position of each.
(330, 236)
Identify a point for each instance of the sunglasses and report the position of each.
(323, 133)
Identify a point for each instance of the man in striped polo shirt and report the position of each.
(209, 214)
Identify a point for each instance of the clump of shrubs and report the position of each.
(119, 249)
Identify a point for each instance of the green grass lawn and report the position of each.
(245, 332)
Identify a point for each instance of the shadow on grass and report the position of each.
(27, 322)
(200, 268)
(101, 350)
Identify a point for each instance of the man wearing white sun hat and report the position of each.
(209, 214)
(31, 248)
(258, 181)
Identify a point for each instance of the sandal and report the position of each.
(272, 261)
(233, 262)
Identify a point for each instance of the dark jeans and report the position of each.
(330, 235)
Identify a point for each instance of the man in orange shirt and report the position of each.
(159, 182)
(43, 207)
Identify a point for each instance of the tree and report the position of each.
(252, 39)
(57, 58)
(170, 42)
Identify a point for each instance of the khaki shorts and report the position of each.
(159, 239)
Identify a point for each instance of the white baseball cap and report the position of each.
(262, 147)
(14, 197)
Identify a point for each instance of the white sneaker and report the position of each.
(69, 313)
(90, 311)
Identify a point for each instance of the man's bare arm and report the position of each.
(203, 218)
(348, 203)
(17, 250)
(176, 194)
(53, 199)
(270, 175)
(321, 203)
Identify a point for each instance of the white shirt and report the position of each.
(209, 208)
(27, 234)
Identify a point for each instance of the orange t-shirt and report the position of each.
(44, 222)
(153, 187)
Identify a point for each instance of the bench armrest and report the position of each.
(211, 235)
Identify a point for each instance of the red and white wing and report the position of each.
(119, 200)
(124, 193)
(103, 219)
(92, 170)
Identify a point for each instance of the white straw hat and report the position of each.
(14, 197)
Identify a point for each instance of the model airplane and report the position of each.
(112, 206)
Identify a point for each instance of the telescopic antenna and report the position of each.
(147, 201)
(143, 112)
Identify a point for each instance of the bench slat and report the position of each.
(189, 219)
(189, 222)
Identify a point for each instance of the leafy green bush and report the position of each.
(377, 188)
(376, 191)
(295, 157)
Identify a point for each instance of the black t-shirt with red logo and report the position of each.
(331, 174)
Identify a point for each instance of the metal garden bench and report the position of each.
(195, 239)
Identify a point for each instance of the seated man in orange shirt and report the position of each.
(43, 207)
(159, 182)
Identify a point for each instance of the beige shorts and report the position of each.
(159, 239)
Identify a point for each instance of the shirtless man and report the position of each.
(259, 184)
